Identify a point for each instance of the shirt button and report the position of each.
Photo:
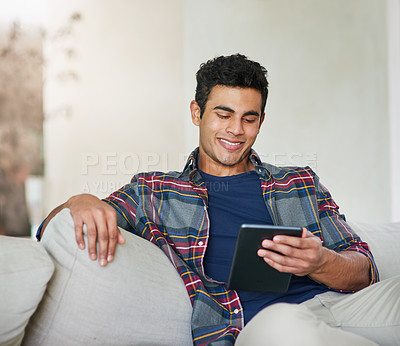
(201, 243)
(236, 311)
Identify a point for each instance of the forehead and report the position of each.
(239, 99)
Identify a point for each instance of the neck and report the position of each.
(220, 170)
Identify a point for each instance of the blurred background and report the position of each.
(94, 91)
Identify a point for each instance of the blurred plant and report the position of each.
(21, 107)
(22, 67)
(63, 40)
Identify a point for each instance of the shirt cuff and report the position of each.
(373, 271)
(40, 230)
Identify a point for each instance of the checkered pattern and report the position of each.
(170, 210)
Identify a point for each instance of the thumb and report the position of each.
(306, 233)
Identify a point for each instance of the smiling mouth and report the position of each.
(230, 145)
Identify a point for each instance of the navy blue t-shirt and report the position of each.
(232, 201)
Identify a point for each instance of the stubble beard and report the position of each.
(227, 160)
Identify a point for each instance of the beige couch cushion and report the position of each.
(138, 299)
(383, 240)
(25, 269)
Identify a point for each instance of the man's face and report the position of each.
(228, 129)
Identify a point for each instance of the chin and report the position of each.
(230, 161)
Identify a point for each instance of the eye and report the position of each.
(250, 120)
(222, 116)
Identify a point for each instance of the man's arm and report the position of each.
(101, 222)
(346, 270)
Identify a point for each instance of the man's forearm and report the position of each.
(346, 270)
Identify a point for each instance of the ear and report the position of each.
(261, 121)
(195, 111)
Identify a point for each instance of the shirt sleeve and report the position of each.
(337, 234)
(125, 202)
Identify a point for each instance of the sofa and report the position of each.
(53, 294)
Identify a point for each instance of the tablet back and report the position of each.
(249, 272)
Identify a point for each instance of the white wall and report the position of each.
(393, 26)
(136, 61)
(327, 107)
(125, 108)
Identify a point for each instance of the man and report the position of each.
(196, 224)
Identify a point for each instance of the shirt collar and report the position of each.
(192, 162)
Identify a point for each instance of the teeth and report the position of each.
(230, 143)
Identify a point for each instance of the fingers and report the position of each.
(80, 221)
(296, 242)
(91, 230)
(284, 264)
(306, 233)
(103, 239)
(121, 239)
(296, 255)
(101, 222)
(113, 236)
(105, 231)
(293, 246)
(91, 237)
(79, 234)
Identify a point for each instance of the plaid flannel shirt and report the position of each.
(170, 210)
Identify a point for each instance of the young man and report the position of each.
(195, 222)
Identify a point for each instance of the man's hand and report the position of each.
(299, 256)
(345, 270)
(101, 222)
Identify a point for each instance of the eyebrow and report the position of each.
(230, 110)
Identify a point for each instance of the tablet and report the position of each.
(249, 272)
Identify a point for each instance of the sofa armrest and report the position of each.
(25, 269)
(137, 299)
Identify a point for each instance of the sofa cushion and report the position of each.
(383, 240)
(25, 269)
(138, 299)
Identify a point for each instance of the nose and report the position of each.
(235, 126)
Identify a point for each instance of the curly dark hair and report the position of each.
(232, 71)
